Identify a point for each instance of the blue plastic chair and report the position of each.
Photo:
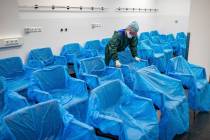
(95, 45)
(43, 57)
(174, 43)
(194, 78)
(16, 74)
(47, 121)
(181, 35)
(154, 33)
(158, 56)
(129, 64)
(114, 109)
(95, 72)
(74, 53)
(10, 101)
(144, 36)
(55, 83)
(168, 95)
(167, 48)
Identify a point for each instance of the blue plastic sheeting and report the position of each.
(95, 45)
(104, 42)
(129, 65)
(182, 47)
(95, 72)
(43, 57)
(158, 56)
(54, 82)
(144, 36)
(174, 43)
(9, 101)
(167, 48)
(74, 53)
(168, 94)
(47, 121)
(114, 109)
(154, 33)
(181, 35)
(194, 78)
(145, 52)
(17, 75)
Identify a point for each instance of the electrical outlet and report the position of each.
(96, 25)
(32, 29)
(11, 42)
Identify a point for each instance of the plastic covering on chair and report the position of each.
(154, 33)
(129, 64)
(158, 56)
(47, 121)
(43, 57)
(10, 101)
(17, 75)
(194, 78)
(74, 53)
(95, 72)
(95, 45)
(144, 36)
(104, 42)
(114, 109)
(174, 43)
(54, 82)
(167, 48)
(182, 47)
(168, 95)
(181, 35)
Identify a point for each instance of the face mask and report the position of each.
(129, 35)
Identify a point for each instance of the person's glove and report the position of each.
(117, 63)
(137, 59)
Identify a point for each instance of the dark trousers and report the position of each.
(107, 56)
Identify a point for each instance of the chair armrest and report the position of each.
(78, 86)
(70, 58)
(35, 64)
(91, 80)
(39, 95)
(14, 101)
(60, 60)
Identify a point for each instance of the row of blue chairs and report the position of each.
(120, 101)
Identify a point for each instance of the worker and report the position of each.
(119, 41)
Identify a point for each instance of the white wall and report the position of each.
(78, 24)
(199, 23)
(169, 12)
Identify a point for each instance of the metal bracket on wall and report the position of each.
(142, 10)
(42, 8)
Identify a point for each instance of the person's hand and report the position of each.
(117, 63)
(137, 59)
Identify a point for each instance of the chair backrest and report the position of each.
(108, 94)
(38, 122)
(181, 35)
(93, 45)
(155, 39)
(92, 64)
(71, 48)
(144, 36)
(11, 67)
(170, 37)
(179, 64)
(105, 41)
(51, 78)
(44, 55)
(154, 33)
